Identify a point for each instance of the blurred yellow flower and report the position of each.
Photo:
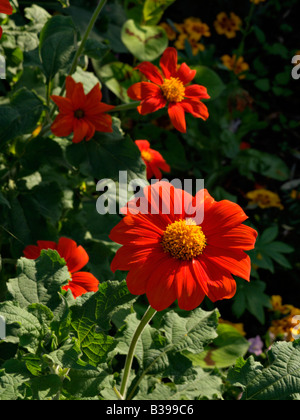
(276, 302)
(287, 327)
(171, 34)
(257, 1)
(264, 199)
(196, 28)
(237, 65)
(195, 45)
(227, 25)
(37, 131)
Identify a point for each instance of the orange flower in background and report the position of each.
(237, 65)
(81, 114)
(264, 199)
(227, 25)
(170, 88)
(257, 1)
(196, 28)
(153, 160)
(76, 258)
(6, 8)
(195, 45)
(170, 257)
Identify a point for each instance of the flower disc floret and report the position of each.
(184, 240)
(173, 90)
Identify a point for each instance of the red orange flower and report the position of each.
(169, 256)
(170, 88)
(6, 8)
(81, 114)
(153, 160)
(76, 258)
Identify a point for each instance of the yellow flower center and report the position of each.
(184, 240)
(147, 156)
(173, 89)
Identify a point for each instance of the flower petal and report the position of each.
(76, 257)
(143, 90)
(168, 62)
(196, 91)
(152, 104)
(151, 72)
(177, 116)
(185, 74)
(220, 282)
(189, 293)
(82, 283)
(63, 125)
(196, 108)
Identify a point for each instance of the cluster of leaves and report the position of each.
(58, 347)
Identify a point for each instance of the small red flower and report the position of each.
(81, 114)
(6, 8)
(170, 257)
(170, 89)
(153, 160)
(76, 258)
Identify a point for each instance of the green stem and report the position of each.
(246, 32)
(128, 364)
(125, 107)
(81, 47)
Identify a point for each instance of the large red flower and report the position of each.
(6, 8)
(76, 258)
(153, 160)
(170, 257)
(170, 88)
(81, 114)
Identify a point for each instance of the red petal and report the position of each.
(189, 293)
(196, 91)
(220, 282)
(143, 90)
(151, 72)
(177, 116)
(242, 237)
(142, 144)
(185, 74)
(78, 97)
(168, 62)
(63, 125)
(235, 261)
(222, 216)
(65, 105)
(85, 282)
(70, 86)
(81, 129)
(196, 108)
(5, 7)
(32, 252)
(75, 256)
(152, 104)
(160, 286)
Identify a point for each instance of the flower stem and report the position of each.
(81, 47)
(125, 107)
(144, 322)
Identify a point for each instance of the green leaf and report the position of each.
(208, 78)
(154, 9)
(159, 350)
(23, 327)
(57, 45)
(45, 387)
(279, 381)
(118, 77)
(21, 116)
(39, 281)
(146, 43)
(266, 164)
(92, 315)
(251, 296)
(224, 351)
(263, 84)
(268, 235)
